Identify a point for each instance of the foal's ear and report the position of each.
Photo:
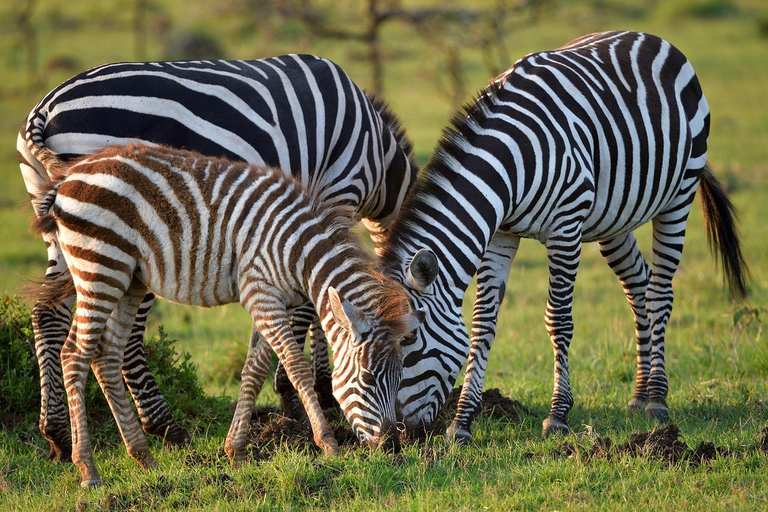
(348, 316)
(423, 269)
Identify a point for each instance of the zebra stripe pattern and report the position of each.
(296, 112)
(580, 144)
(203, 231)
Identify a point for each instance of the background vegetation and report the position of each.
(717, 357)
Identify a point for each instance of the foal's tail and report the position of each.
(720, 220)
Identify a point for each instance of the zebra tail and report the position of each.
(722, 235)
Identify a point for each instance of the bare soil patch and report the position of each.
(662, 444)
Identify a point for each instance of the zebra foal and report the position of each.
(205, 231)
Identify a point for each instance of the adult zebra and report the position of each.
(297, 112)
(584, 143)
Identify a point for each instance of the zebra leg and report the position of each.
(51, 324)
(668, 235)
(271, 319)
(156, 416)
(321, 367)
(108, 367)
(563, 252)
(626, 261)
(491, 284)
(76, 356)
(253, 375)
(301, 319)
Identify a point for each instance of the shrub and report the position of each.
(176, 375)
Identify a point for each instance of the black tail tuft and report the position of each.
(720, 220)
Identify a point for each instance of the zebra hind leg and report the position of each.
(51, 321)
(623, 256)
(107, 367)
(253, 375)
(156, 416)
(491, 284)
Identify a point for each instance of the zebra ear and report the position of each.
(422, 271)
(348, 316)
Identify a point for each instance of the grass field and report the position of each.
(717, 359)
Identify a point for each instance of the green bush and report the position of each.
(176, 375)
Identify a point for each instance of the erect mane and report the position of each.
(395, 126)
(458, 131)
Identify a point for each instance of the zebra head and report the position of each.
(434, 354)
(368, 367)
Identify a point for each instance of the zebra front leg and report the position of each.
(108, 368)
(492, 278)
(563, 252)
(271, 319)
(154, 411)
(253, 375)
(301, 319)
(623, 256)
(321, 367)
(51, 323)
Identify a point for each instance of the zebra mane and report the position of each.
(395, 126)
(458, 131)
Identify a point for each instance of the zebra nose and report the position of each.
(389, 438)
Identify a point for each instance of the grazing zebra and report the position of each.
(580, 144)
(205, 231)
(296, 112)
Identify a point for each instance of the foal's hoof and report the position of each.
(553, 426)
(329, 445)
(458, 435)
(636, 404)
(90, 483)
(657, 411)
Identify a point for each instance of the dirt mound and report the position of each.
(269, 430)
(663, 444)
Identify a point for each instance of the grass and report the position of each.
(717, 361)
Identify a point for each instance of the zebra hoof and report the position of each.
(175, 436)
(91, 484)
(458, 435)
(329, 445)
(553, 426)
(293, 408)
(657, 411)
(636, 404)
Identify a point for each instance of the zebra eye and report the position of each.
(367, 377)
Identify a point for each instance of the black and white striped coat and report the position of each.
(580, 144)
(204, 231)
(297, 112)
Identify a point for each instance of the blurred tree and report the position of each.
(29, 42)
(449, 28)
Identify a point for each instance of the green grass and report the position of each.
(718, 371)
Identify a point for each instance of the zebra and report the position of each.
(297, 112)
(204, 231)
(584, 143)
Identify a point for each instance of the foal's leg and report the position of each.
(253, 375)
(491, 284)
(107, 367)
(301, 319)
(624, 258)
